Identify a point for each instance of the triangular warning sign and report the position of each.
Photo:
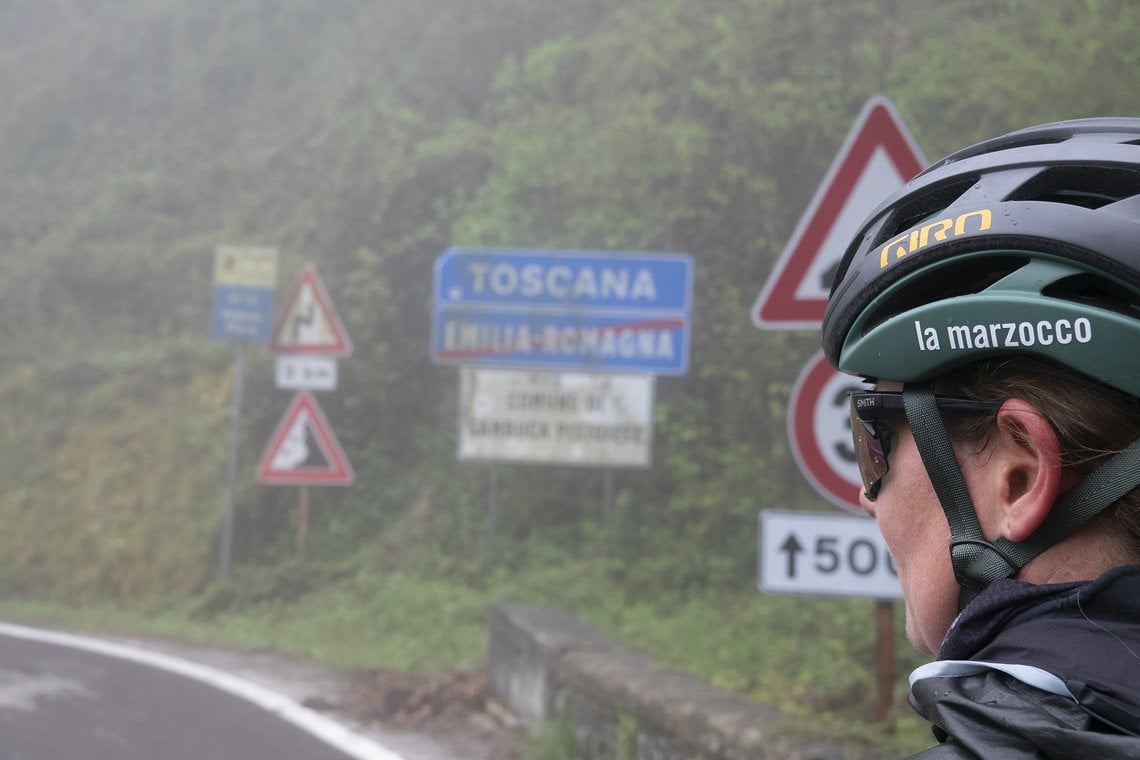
(878, 157)
(309, 324)
(303, 450)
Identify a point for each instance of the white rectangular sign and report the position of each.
(821, 553)
(579, 418)
(302, 372)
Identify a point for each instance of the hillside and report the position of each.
(368, 137)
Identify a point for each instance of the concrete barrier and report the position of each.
(545, 664)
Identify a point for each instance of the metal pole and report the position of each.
(492, 514)
(885, 654)
(607, 497)
(302, 519)
(231, 469)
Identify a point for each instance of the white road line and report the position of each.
(325, 729)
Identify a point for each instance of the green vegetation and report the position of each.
(367, 137)
(555, 740)
(812, 656)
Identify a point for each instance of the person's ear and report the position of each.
(1027, 459)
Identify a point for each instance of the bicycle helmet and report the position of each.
(1026, 245)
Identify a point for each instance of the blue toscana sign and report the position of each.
(563, 309)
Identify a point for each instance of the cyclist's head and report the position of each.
(1010, 269)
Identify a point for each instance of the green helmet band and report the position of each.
(1014, 316)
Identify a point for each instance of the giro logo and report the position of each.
(935, 232)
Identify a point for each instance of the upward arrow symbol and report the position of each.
(793, 547)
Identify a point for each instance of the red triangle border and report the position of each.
(338, 473)
(877, 126)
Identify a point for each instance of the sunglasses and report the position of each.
(872, 435)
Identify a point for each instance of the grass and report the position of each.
(554, 740)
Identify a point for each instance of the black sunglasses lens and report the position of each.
(871, 446)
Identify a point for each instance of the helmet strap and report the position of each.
(978, 562)
(1099, 490)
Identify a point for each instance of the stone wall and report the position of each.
(545, 663)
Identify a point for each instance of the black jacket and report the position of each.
(1038, 672)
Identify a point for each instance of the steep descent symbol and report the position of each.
(298, 449)
(309, 324)
(878, 157)
(303, 449)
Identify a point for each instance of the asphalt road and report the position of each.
(63, 702)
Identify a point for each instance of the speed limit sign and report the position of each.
(819, 429)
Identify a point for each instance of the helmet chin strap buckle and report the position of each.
(978, 563)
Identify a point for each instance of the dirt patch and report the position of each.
(444, 716)
(454, 708)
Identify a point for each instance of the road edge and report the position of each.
(320, 726)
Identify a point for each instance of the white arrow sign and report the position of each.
(821, 553)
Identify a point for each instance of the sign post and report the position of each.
(245, 281)
(816, 553)
(231, 464)
(308, 339)
(577, 336)
(878, 157)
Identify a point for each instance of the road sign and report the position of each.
(309, 324)
(832, 555)
(819, 430)
(303, 450)
(564, 281)
(878, 157)
(245, 281)
(556, 417)
(587, 342)
(300, 372)
(574, 310)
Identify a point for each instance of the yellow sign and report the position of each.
(245, 266)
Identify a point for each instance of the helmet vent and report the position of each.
(940, 283)
(923, 207)
(1031, 141)
(1091, 290)
(1085, 186)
